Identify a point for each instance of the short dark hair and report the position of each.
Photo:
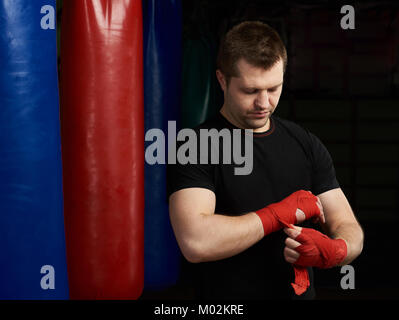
(256, 42)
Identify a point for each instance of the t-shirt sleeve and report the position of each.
(190, 175)
(181, 176)
(323, 171)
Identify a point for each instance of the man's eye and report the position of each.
(250, 91)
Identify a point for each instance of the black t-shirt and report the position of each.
(286, 158)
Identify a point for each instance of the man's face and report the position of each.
(251, 98)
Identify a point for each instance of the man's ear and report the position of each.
(222, 79)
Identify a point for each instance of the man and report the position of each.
(237, 231)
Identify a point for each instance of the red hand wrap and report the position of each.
(316, 250)
(281, 214)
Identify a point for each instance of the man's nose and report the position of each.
(262, 99)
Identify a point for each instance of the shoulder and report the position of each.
(297, 130)
(309, 142)
(289, 125)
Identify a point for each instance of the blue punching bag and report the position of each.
(32, 241)
(162, 78)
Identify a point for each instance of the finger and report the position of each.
(290, 255)
(322, 218)
(300, 215)
(294, 232)
(291, 243)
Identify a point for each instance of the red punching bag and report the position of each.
(103, 147)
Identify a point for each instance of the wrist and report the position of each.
(341, 251)
(269, 222)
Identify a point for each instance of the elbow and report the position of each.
(192, 251)
(358, 245)
(361, 242)
(192, 258)
(355, 246)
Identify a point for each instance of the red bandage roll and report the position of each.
(316, 250)
(103, 147)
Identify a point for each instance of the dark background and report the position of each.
(342, 85)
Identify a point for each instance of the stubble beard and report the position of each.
(256, 124)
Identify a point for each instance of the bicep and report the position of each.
(323, 171)
(185, 209)
(337, 210)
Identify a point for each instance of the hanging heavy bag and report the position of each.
(103, 147)
(32, 240)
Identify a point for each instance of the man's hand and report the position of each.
(301, 216)
(295, 208)
(307, 247)
(290, 254)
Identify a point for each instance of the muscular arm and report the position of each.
(204, 235)
(341, 223)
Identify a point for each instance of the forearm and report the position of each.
(207, 236)
(225, 236)
(353, 236)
